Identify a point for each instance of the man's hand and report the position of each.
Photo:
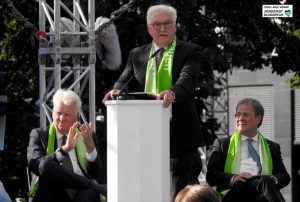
(167, 98)
(72, 138)
(110, 95)
(242, 177)
(87, 134)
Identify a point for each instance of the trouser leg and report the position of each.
(239, 192)
(259, 189)
(85, 195)
(266, 189)
(56, 173)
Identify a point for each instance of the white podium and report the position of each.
(138, 151)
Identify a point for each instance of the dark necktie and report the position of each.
(253, 154)
(159, 56)
(66, 162)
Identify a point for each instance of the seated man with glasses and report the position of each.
(168, 68)
(246, 166)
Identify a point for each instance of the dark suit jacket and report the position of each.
(215, 170)
(36, 152)
(185, 133)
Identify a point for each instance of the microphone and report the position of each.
(122, 94)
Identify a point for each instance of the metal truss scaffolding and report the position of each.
(219, 111)
(219, 105)
(67, 55)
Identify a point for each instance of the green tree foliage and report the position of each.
(19, 59)
(232, 34)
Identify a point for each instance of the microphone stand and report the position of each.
(123, 94)
(115, 15)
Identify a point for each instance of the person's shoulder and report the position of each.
(186, 44)
(272, 143)
(222, 140)
(41, 130)
(142, 47)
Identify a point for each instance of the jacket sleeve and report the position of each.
(215, 170)
(95, 168)
(36, 150)
(126, 74)
(188, 65)
(279, 170)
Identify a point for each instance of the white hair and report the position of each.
(66, 97)
(109, 39)
(161, 9)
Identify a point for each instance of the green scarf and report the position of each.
(158, 81)
(233, 159)
(80, 152)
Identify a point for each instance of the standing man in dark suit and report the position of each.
(246, 166)
(65, 156)
(169, 68)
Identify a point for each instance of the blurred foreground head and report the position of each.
(197, 193)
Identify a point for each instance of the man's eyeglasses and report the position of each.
(157, 26)
(239, 115)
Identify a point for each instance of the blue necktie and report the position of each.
(253, 154)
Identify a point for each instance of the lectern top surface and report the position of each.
(133, 102)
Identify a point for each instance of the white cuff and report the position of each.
(91, 157)
(231, 181)
(173, 94)
(274, 178)
(59, 156)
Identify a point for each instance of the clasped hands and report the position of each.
(166, 96)
(244, 176)
(85, 130)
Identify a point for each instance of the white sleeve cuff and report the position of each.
(173, 94)
(231, 181)
(58, 155)
(274, 179)
(91, 157)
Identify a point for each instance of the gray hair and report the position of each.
(258, 108)
(161, 8)
(67, 97)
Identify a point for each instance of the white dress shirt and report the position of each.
(72, 154)
(247, 163)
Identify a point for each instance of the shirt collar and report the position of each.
(255, 138)
(58, 134)
(156, 47)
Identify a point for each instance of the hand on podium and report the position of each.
(111, 95)
(167, 96)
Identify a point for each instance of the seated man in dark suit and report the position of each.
(65, 156)
(246, 166)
